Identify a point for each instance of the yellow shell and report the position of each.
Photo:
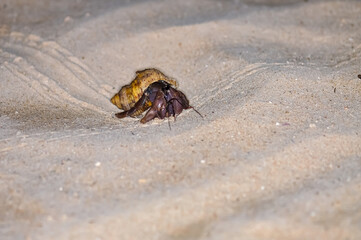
(131, 93)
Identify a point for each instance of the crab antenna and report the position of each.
(196, 111)
(169, 124)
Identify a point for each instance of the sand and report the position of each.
(276, 156)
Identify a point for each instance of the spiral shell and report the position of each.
(131, 93)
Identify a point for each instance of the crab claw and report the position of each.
(158, 108)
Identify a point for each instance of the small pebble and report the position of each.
(203, 161)
(312, 125)
(97, 164)
(68, 19)
(142, 180)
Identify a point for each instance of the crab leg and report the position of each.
(142, 105)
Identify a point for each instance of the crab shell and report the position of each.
(129, 94)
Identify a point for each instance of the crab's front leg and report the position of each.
(158, 108)
(142, 105)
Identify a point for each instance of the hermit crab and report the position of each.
(129, 94)
(159, 96)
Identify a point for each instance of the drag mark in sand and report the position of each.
(234, 80)
(52, 72)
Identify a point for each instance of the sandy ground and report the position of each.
(276, 156)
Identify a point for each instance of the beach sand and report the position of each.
(277, 154)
